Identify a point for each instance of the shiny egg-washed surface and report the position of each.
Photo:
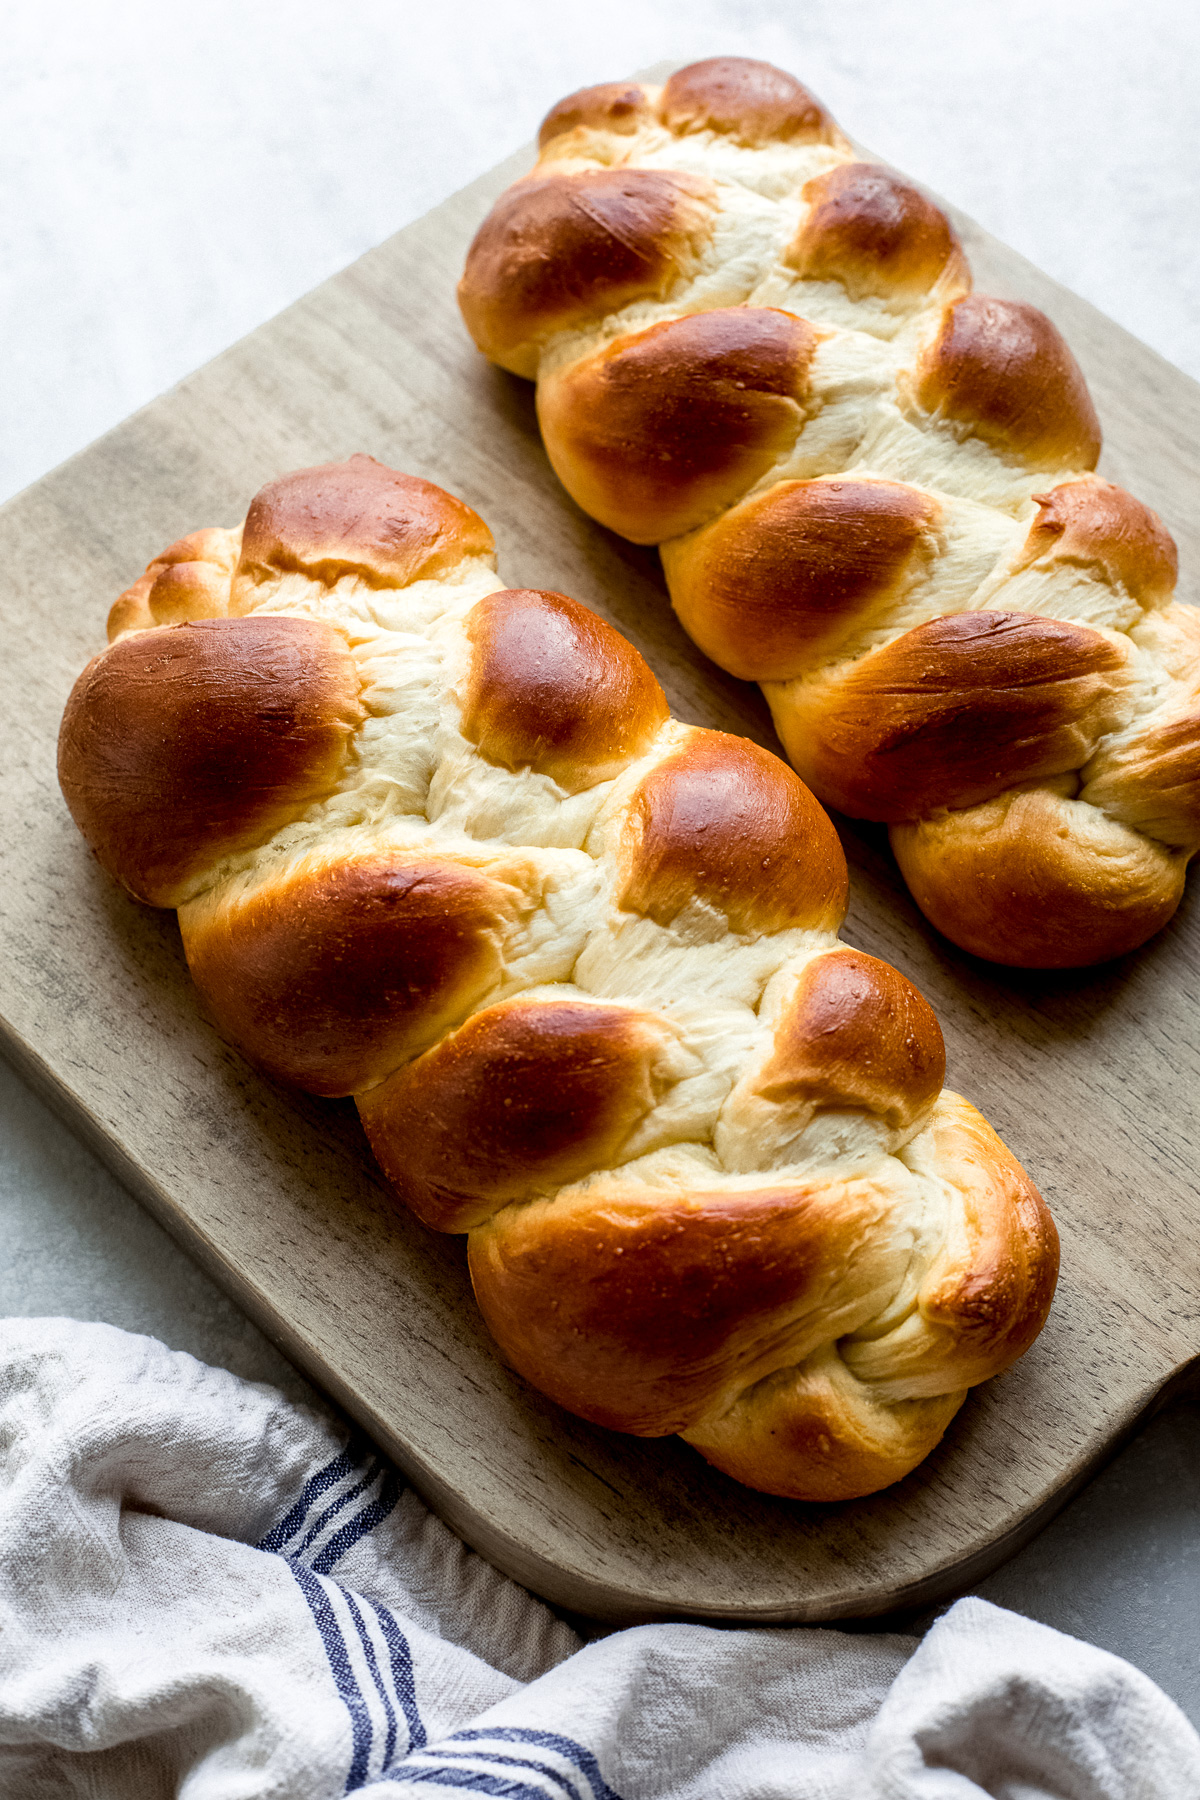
(439, 844)
(873, 492)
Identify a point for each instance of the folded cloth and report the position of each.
(207, 1591)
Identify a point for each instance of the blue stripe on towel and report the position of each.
(440, 1769)
(342, 1465)
(389, 1711)
(403, 1675)
(514, 1762)
(475, 1781)
(568, 1748)
(343, 1500)
(403, 1681)
(358, 1527)
(344, 1677)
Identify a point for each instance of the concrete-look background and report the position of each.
(173, 174)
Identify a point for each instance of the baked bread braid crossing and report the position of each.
(438, 844)
(873, 493)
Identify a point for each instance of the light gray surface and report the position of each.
(173, 175)
(77, 1245)
(1121, 1565)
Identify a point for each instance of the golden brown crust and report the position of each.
(641, 1311)
(815, 1433)
(751, 102)
(190, 580)
(660, 430)
(1150, 778)
(130, 611)
(187, 743)
(1001, 371)
(856, 1034)
(555, 689)
(727, 824)
(355, 518)
(334, 972)
(1039, 881)
(528, 1095)
(784, 578)
(558, 250)
(984, 1299)
(875, 234)
(954, 712)
(1099, 527)
(858, 1415)
(622, 107)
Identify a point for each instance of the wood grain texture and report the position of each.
(1092, 1077)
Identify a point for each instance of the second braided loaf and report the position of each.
(873, 493)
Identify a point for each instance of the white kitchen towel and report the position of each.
(207, 1591)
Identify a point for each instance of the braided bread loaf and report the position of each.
(439, 844)
(872, 492)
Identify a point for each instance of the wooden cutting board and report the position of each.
(1093, 1078)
